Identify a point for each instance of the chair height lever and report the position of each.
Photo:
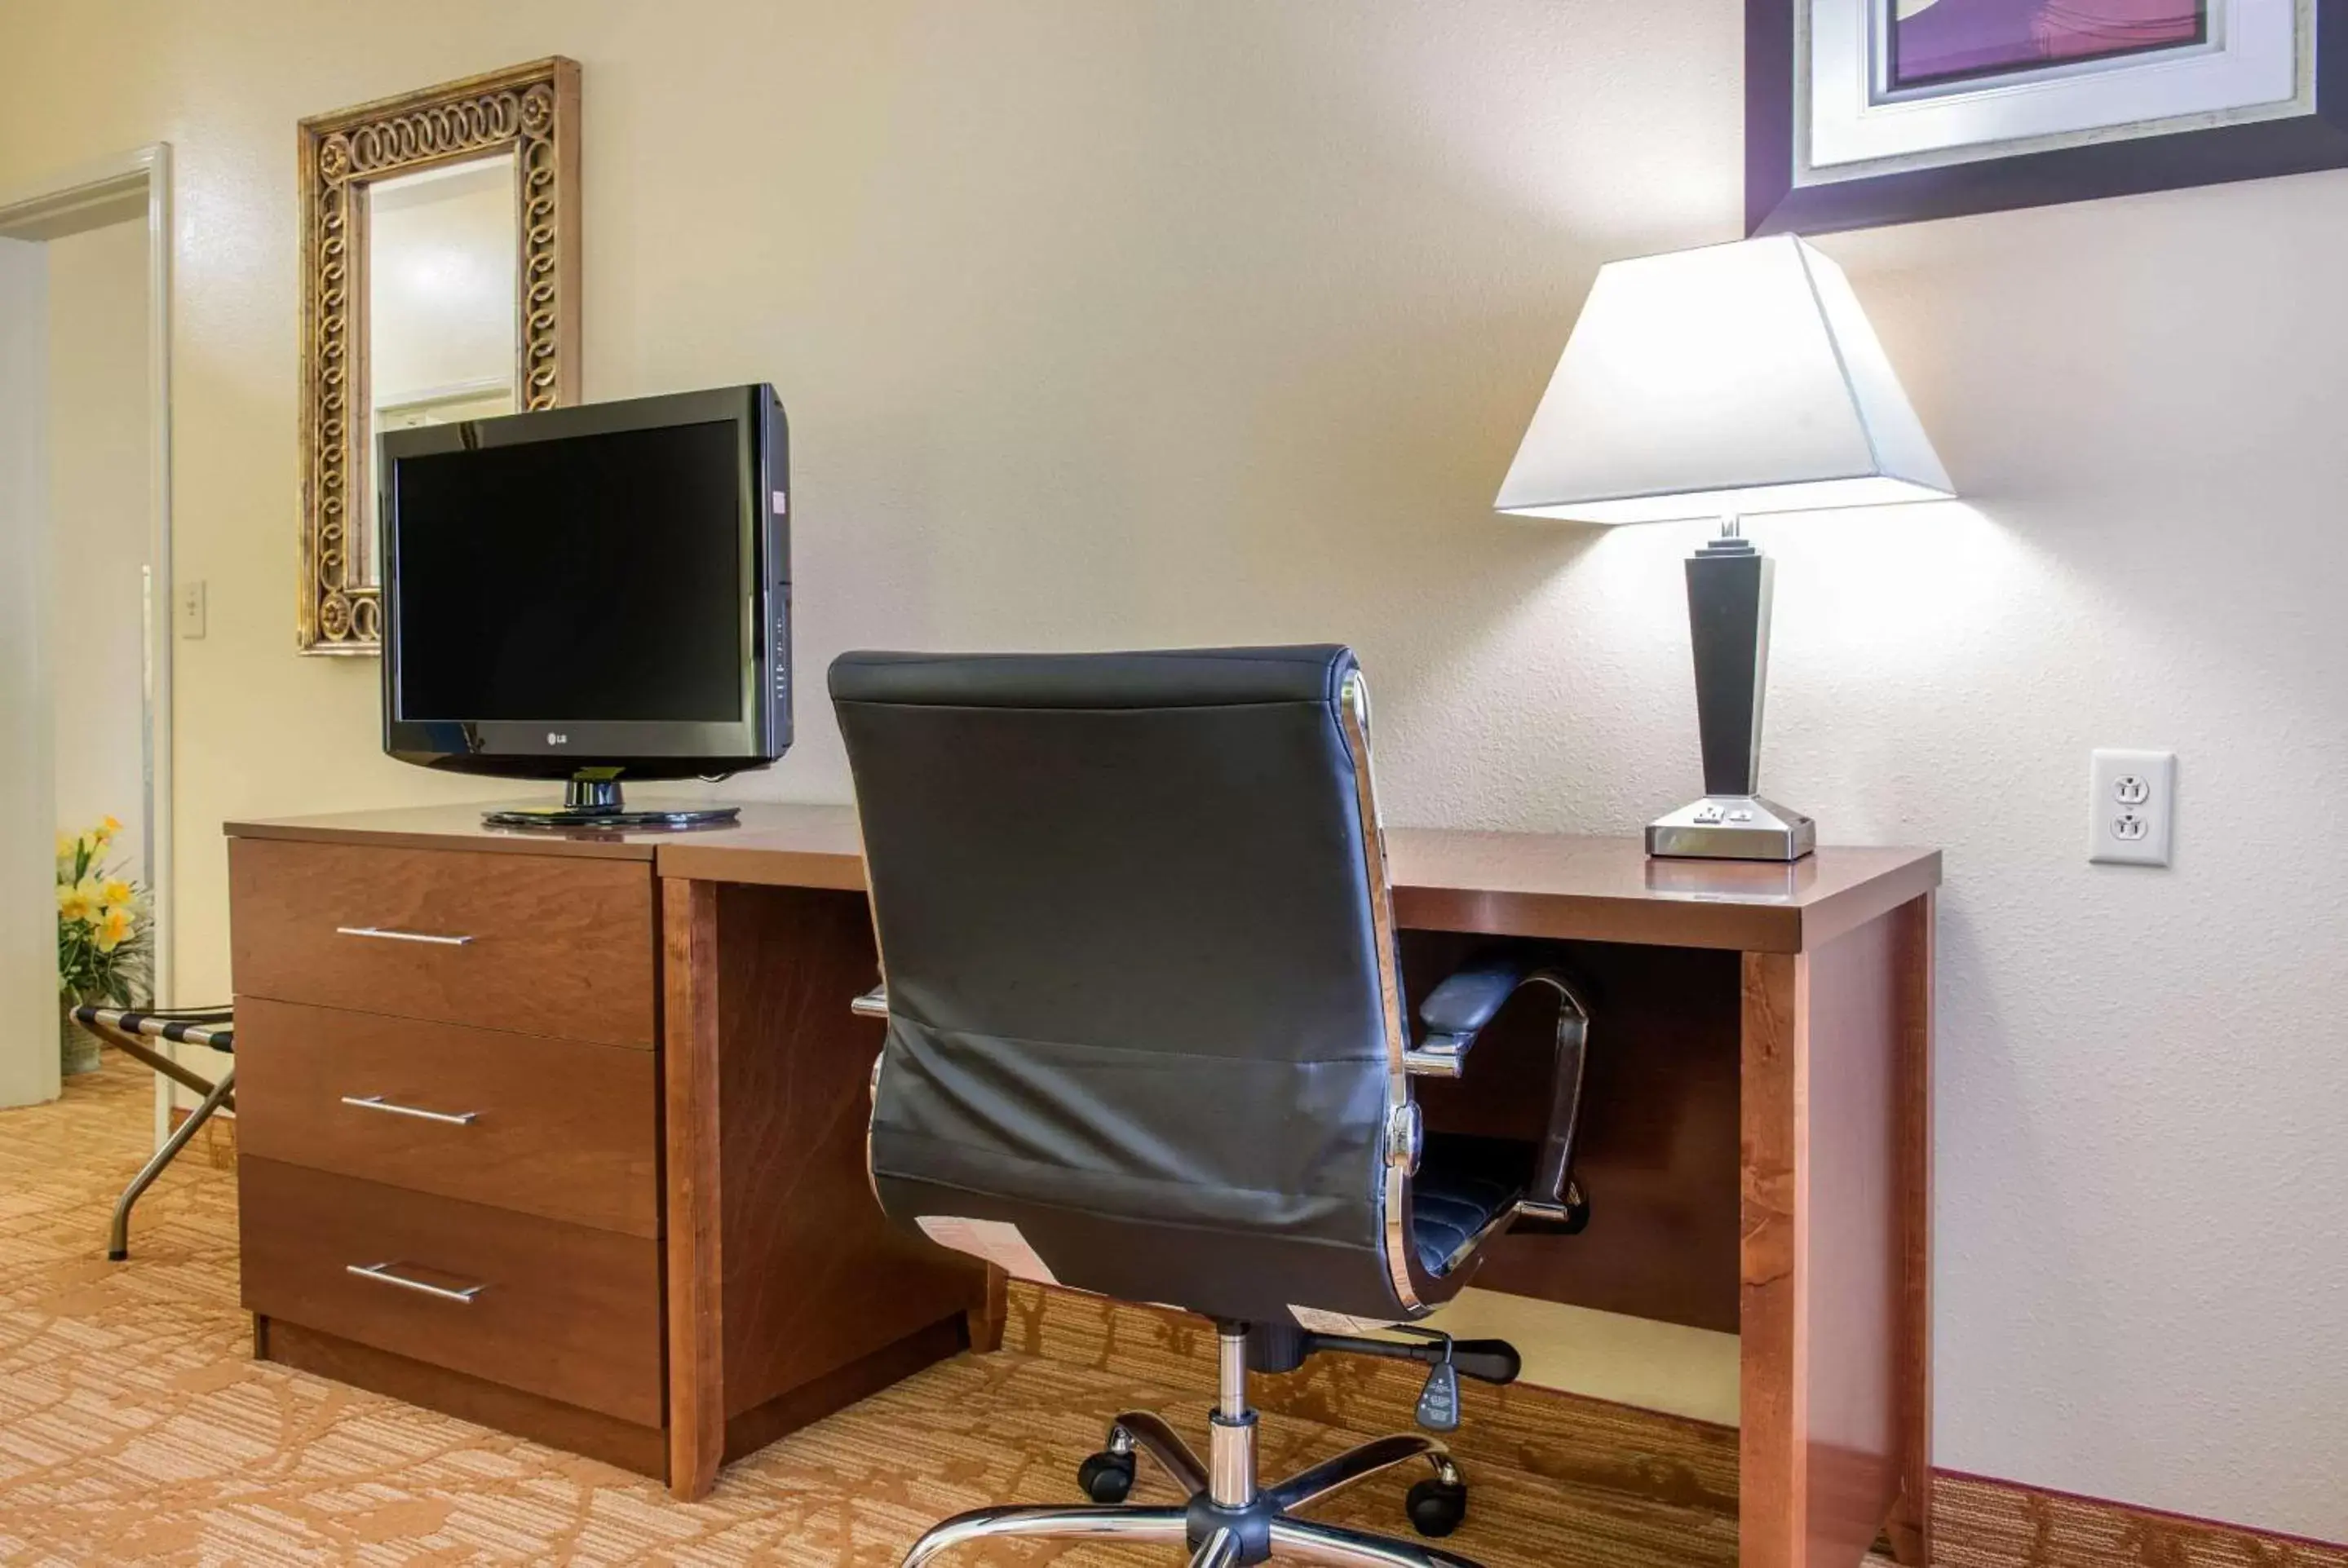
(1485, 1360)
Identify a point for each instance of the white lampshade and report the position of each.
(1732, 379)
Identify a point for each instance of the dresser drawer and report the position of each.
(554, 945)
(564, 1129)
(555, 1309)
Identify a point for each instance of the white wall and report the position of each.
(28, 911)
(101, 513)
(1184, 321)
(2144, 1074)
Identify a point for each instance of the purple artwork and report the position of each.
(1949, 40)
(1960, 45)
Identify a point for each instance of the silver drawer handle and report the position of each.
(389, 935)
(382, 1273)
(377, 1102)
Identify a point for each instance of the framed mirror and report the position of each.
(440, 282)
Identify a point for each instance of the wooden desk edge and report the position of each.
(317, 831)
(687, 861)
(1728, 925)
(1596, 917)
(1877, 897)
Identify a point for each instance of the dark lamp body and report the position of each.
(1728, 587)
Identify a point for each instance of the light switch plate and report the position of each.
(187, 610)
(2131, 801)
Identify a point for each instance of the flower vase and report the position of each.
(78, 1051)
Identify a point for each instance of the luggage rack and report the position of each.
(128, 1029)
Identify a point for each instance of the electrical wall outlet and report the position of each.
(2131, 799)
(187, 609)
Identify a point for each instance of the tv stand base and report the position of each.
(591, 800)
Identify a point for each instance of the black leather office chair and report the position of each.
(1147, 1039)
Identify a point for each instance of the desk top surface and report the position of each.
(1563, 886)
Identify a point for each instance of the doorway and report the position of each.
(85, 572)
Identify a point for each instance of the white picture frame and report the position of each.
(2254, 66)
(1833, 142)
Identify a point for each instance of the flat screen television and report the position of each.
(594, 594)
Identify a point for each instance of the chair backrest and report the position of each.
(1145, 1028)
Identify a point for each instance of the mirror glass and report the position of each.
(441, 317)
(440, 283)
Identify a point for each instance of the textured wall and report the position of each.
(1132, 322)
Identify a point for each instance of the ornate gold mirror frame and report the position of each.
(530, 112)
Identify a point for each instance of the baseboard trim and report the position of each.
(1648, 1456)
(1984, 1521)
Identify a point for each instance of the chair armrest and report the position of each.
(1456, 1011)
(1556, 1201)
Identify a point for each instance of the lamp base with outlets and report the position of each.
(1733, 827)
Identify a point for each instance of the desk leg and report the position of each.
(696, 1383)
(1912, 1515)
(1833, 1265)
(983, 1323)
(1772, 1459)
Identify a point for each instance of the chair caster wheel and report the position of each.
(1437, 1507)
(1107, 1478)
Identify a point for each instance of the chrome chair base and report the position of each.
(1292, 1540)
(1230, 1522)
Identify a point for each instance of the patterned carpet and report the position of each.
(135, 1427)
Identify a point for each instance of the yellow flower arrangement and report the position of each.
(113, 928)
(75, 902)
(102, 931)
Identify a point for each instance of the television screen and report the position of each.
(597, 578)
(591, 592)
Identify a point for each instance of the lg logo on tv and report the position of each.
(554, 740)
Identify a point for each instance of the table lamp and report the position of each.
(1719, 383)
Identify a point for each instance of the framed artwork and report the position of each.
(1866, 112)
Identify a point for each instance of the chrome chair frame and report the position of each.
(127, 1030)
(1229, 1520)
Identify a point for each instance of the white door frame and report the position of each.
(128, 187)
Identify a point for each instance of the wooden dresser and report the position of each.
(450, 1117)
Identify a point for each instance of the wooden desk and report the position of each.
(1758, 1145)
